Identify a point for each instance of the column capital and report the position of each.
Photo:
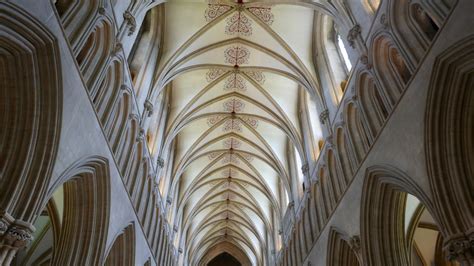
(461, 249)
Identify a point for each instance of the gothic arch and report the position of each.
(390, 67)
(95, 52)
(31, 88)
(225, 246)
(357, 134)
(382, 215)
(146, 50)
(106, 94)
(342, 249)
(119, 119)
(449, 121)
(348, 166)
(333, 71)
(122, 251)
(86, 187)
(77, 16)
(373, 103)
(405, 28)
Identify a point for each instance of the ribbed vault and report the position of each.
(235, 75)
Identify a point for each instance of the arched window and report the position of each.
(333, 60)
(343, 53)
(145, 53)
(316, 129)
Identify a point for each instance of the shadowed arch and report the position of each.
(123, 249)
(449, 121)
(31, 89)
(382, 215)
(221, 247)
(342, 249)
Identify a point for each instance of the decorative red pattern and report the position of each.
(247, 157)
(235, 82)
(238, 24)
(236, 55)
(214, 11)
(231, 172)
(211, 121)
(249, 120)
(214, 73)
(231, 143)
(213, 155)
(233, 105)
(256, 75)
(263, 13)
(228, 185)
(232, 125)
(230, 158)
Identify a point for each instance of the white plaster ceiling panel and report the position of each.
(296, 30)
(178, 14)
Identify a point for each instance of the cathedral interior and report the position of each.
(237, 132)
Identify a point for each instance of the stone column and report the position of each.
(14, 235)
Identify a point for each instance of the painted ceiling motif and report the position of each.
(236, 71)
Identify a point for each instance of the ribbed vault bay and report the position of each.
(237, 78)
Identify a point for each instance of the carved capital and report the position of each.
(131, 22)
(3, 227)
(384, 21)
(365, 60)
(305, 170)
(329, 141)
(461, 249)
(323, 116)
(101, 10)
(5, 221)
(354, 243)
(14, 234)
(133, 117)
(148, 107)
(160, 162)
(141, 135)
(353, 35)
(124, 87)
(118, 48)
(17, 237)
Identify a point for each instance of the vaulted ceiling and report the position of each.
(236, 74)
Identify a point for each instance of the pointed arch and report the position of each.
(374, 105)
(86, 187)
(449, 127)
(123, 248)
(342, 249)
(357, 135)
(382, 215)
(347, 165)
(95, 52)
(31, 88)
(77, 16)
(389, 66)
(104, 97)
